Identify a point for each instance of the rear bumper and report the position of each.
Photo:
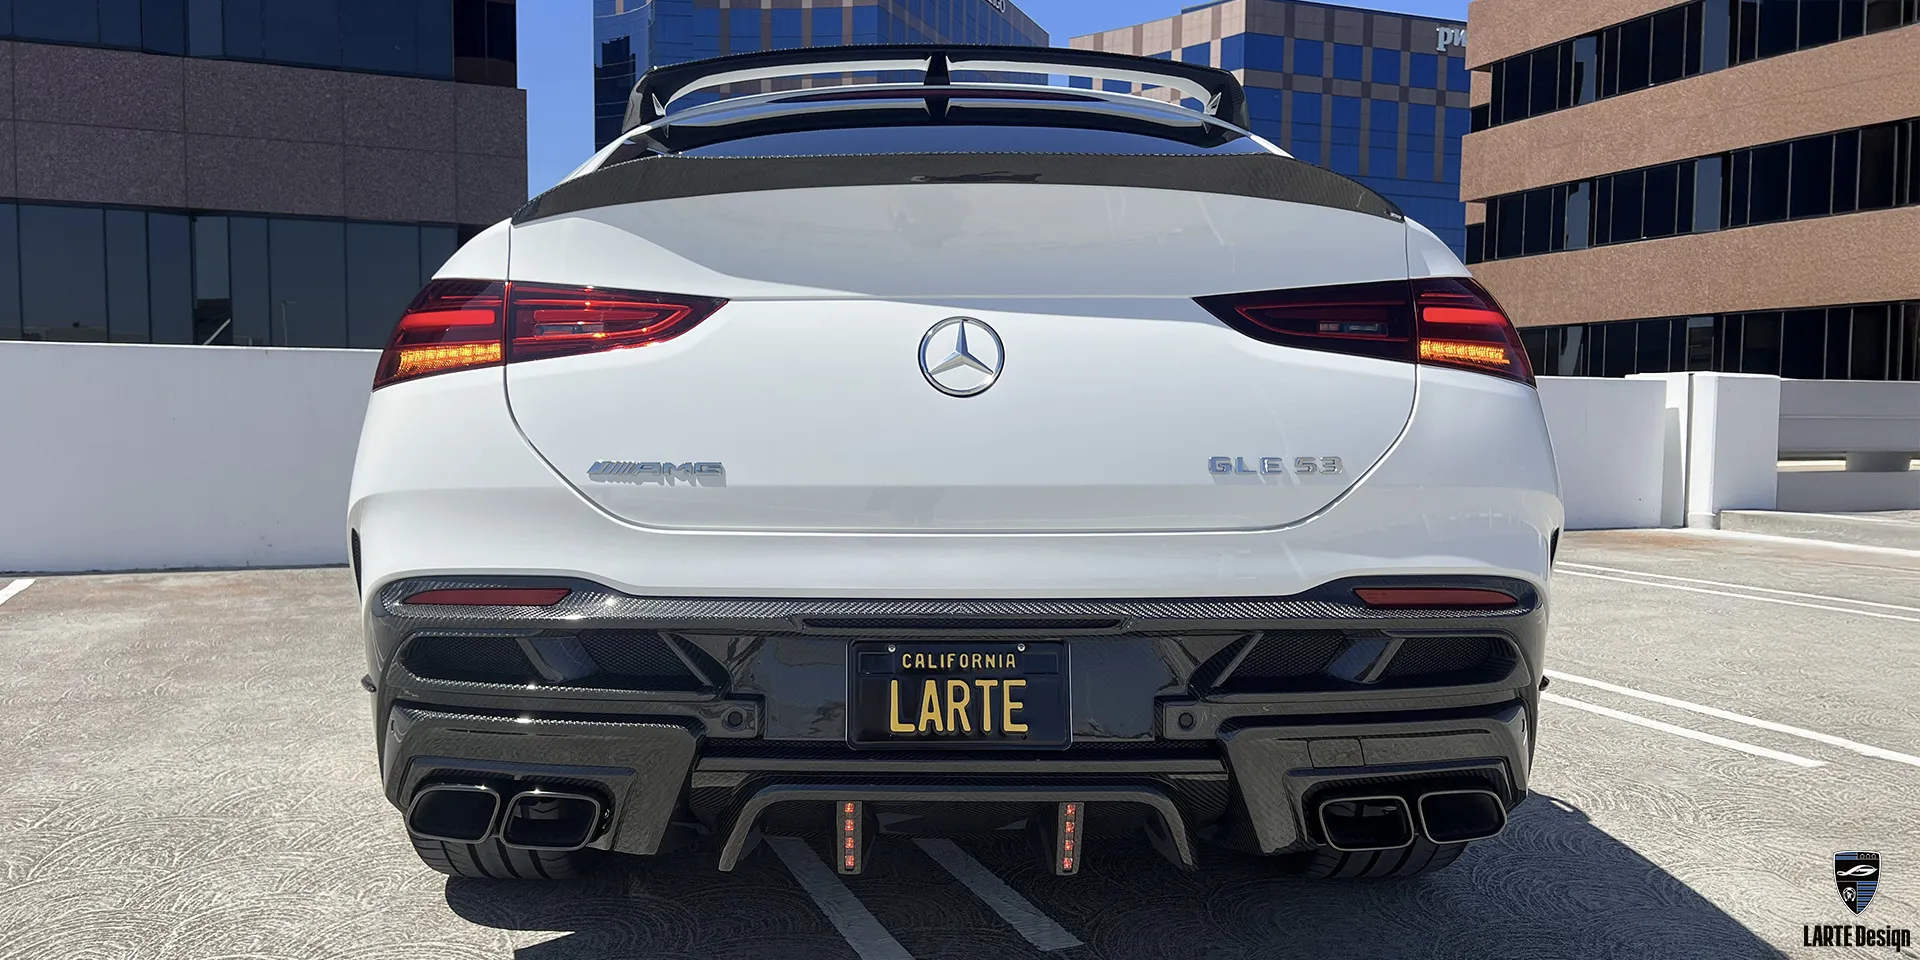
(1193, 720)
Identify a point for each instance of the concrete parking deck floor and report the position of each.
(190, 773)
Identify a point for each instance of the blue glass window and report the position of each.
(1344, 158)
(1459, 121)
(1346, 61)
(1309, 58)
(1457, 75)
(866, 25)
(1386, 66)
(1346, 112)
(1419, 164)
(1233, 52)
(1383, 161)
(1305, 143)
(1384, 117)
(1197, 53)
(743, 30)
(1264, 52)
(1306, 109)
(827, 27)
(786, 29)
(1423, 70)
(1265, 103)
(1114, 86)
(1420, 120)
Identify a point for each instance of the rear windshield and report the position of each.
(968, 138)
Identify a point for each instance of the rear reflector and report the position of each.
(851, 848)
(457, 325)
(492, 597)
(1433, 598)
(1067, 839)
(1444, 321)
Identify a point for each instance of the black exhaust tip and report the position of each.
(1459, 816)
(453, 812)
(1354, 824)
(541, 819)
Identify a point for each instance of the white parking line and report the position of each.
(1742, 586)
(1678, 731)
(1739, 596)
(1814, 735)
(1021, 915)
(13, 589)
(847, 914)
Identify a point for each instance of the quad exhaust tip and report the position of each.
(1460, 816)
(453, 812)
(1357, 824)
(543, 819)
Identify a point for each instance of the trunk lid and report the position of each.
(1117, 400)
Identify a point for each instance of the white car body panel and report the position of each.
(1081, 473)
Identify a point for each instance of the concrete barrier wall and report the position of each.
(127, 457)
(1610, 440)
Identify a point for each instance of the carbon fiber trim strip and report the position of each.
(590, 603)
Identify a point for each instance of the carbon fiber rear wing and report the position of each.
(1218, 91)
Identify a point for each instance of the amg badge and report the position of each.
(1272, 465)
(655, 471)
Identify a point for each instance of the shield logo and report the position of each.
(1858, 875)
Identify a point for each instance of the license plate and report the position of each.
(960, 694)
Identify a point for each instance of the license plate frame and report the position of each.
(875, 703)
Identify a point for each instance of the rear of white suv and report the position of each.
(941, 456)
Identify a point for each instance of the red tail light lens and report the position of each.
(1461, 326)
(1446, 321)
(1368, 319)
(457, 325)
(550, 321)
(451, 325)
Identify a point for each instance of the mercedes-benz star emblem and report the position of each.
(961, 356)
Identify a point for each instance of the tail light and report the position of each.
(465, 324)
(1461, 326)
(451, 325)
(1445, 321)
(491, 597)
(1435, 598)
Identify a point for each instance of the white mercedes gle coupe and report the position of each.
(946, 452)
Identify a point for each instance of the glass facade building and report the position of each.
(631, 36)
(268, 206)
(1379, 97)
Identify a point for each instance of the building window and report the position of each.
(1676, 43)
(415, 38)
(1876, 341)
(129, 275)
(1870, 168)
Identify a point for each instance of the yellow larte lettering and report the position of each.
(1008, 705)
(957, 697)
(930, 707)
(893, 709)
(986, 703)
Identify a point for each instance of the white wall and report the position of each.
(1609, 439)
(123, 456)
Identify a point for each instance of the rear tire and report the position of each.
(1420, 857)
(492, 860)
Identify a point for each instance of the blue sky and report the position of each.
(556, 63)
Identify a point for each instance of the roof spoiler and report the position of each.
(1219, 91)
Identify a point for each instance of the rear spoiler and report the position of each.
(1217, 90)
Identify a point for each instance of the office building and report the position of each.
(1380, 97)
(248, 172)
(1715, 185)
(632, 35)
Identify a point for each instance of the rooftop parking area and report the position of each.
(192, 774)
